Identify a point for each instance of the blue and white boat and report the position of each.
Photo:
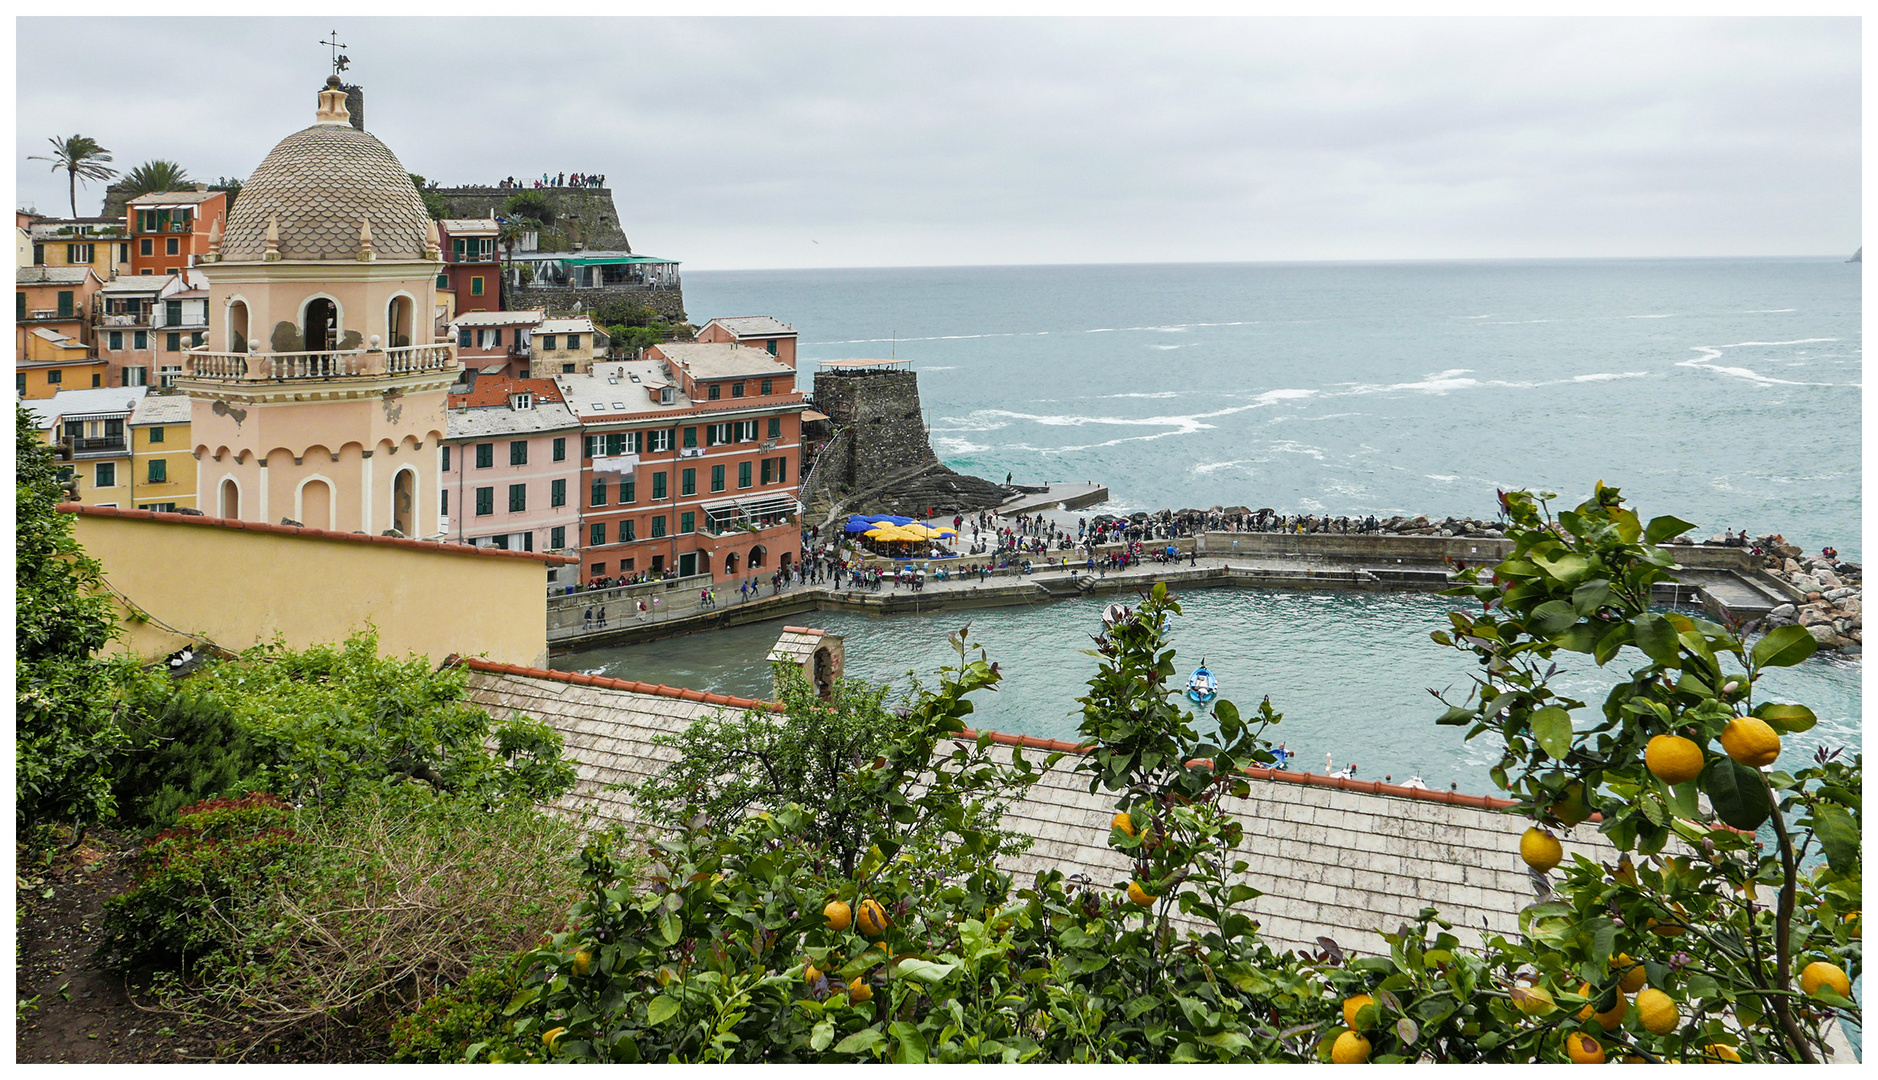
(1202, 688)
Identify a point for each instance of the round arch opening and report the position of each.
(238, 326)
(319, 325)
(404, 502)
(757, 555)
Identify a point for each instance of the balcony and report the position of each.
(108, 446)
(123, 320)
(472, 257)
(262, 367)
(36, 314)
(186, 322)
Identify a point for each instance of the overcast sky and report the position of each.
(754, 143)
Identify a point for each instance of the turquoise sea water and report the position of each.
(1723, 391)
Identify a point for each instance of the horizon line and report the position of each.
(1278, 262)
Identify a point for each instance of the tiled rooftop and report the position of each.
(320, 182)
(1334, 857)
(722, 360)
(157, 409)
(756, 326)
(479, 423)
(498, 318)
(52, 275)
(491, 391)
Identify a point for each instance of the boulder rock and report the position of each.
(1784, 611)
(1825, 635)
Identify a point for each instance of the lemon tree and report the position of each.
(1720, 897)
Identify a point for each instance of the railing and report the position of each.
(124, 320)
(328, 364)
(50, 313)
(105, 445)
(186, 322)
(472, 257)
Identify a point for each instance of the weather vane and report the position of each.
(340, 60)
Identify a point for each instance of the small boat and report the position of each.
(1202, 688)
(1415, 782)
(1283, 757)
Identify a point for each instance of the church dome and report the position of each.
(318, 185)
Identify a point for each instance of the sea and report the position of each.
(1723, 391)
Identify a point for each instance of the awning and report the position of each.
(811, 414)
(773, 504)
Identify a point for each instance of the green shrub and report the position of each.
(199, 883)
(182, 748)
(464, 1022)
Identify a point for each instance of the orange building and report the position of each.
(472, 266)
(755, 332)
(169, 230)
(688, 462)
(56, 299)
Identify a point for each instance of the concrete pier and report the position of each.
(1058, 495)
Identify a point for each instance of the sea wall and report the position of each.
(885, 463)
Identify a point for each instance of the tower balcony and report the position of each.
(273, 367)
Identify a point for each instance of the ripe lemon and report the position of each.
(839, 915)
(1583, 1049)
(1352, 1006)
(1571, 810)
(811, 973)
(1533, 1000)
(1610, 1018)
(1716, 1053)
(1831, 976)
(1124, 823)
(1657, 1012)
(1675, 929)
(551, 1036)
(1540, 849)
(1139, 895)
(1349, 1049)
(860, 991)
(1673, 759)
(1633, 976)
(872, 918)
(583, 962)
(1750, 741)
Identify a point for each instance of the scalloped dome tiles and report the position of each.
(318, 183)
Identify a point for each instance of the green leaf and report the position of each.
(1784, 646)
(1551, 618)
(1737, 794)
(1838, 836)
(865, 1039)
(661, 1009)
(1664, 528)
(925, 971)
(822, 1036)
(1552, 726)
(1790, 719)
(1656, 637)
(912, 1049)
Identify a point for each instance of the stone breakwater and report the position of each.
(1831, 589)
(1163, 523)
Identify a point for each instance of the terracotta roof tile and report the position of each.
(317, 534)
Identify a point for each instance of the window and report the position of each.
(139, 339)
(160, 508)
(717, 478)
(97, 379)
(476, 285)
(159, 472)
(714, 392)
(658, 526)
(560, 449)
(599, 567)
(769, 470)
(628, 532)
(19, 307)
(771, 346)
(55, 377)
(557, 537)
(568, 369)
(485, 501)
(197, 339)
(104, 475)
(169, 246)
(117, 340)
(599, 493)
(39, 254)
(485, 455)
(168, 374)
(716, 433)
(77, 253)
(172, 342)
(775, 427)
(444, 508)
(465, 338)
(746, 431)
(144, 247)
(123, 253)
(628, 490)
(782, 470)
(518, 498)
(658, 486)
(736, 389)
(136, 376)
(446, 459)
(557, 495)
(518, 451)
(691, 437)
(65, 303)
(547, 342)
(768, 382)
(743, 474)
(687, 522)
(156, 434)
(596, 535)
(688, 483)
(659, 441)
(443, 281)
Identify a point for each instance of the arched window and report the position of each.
(228, 502)
(238, 326)
(404, 502)
(398, 322)
(756, 557)
(730, 564)
(316, 505)
(320, 331)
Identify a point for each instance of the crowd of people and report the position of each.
(560, 179)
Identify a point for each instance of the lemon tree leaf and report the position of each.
(661, 1009)
(1656, 637)
(1790, 719)
(865, 1039)
(1552, 726)
(1784, 646)
(1737, 794)
(925, 971)
(1838, 836)
(822, 1036)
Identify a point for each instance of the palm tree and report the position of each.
(79, 156)
(509, 234)
(154, 175)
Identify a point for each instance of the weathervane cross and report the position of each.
(340, 61)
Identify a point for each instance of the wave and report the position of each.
(1215, 466)
(1489, 315)
(1607, 376)
(1170, 328)
(1164, 346)
(1795, 341)
(950, 445)
(1668, 316)
(1158, 394)
(1770, 311)
(1712, 353)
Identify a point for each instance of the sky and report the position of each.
(746, 143)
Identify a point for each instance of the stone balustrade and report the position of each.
(328, 364)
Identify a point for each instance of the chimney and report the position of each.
(355, 104)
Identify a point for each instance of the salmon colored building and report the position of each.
(771, 335)
(55, 299)
(319, 397)
(170, 231)
(472, 266)
(688, 462)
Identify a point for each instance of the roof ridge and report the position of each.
(1027, 742)
(316, 534)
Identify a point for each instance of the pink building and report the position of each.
(773, 336)
(511, 462)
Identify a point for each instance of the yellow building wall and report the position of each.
(179, 464)
(75, 374)
(115, 494)
(240, 587)
(104, 254)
